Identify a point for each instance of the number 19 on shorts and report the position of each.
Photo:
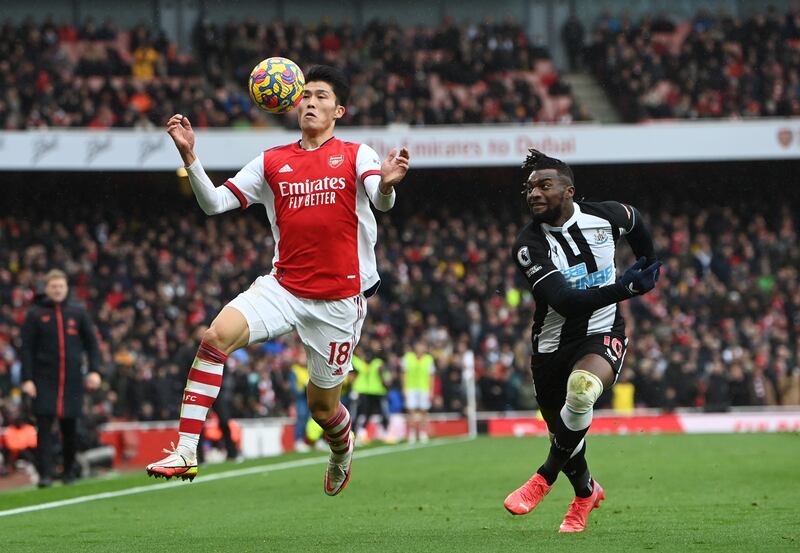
(340, 353)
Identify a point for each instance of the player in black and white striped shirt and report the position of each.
(567, 256)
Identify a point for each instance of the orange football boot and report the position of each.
(523, 500)
(579, 510)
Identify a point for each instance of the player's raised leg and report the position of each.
(525, 498)
(327, 409)
(588, 492)
(589, 377)
(330, 331)
(227, 333)
(576, 469)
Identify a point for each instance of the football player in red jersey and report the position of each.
(317, 194)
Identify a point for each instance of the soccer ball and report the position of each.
(276, 85)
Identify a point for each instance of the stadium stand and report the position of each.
(98, 76)
(659, 67)
(712, 66)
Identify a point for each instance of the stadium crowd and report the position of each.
(722, 329)
(98, 76)
(712, 66)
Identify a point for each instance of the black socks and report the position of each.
(561, 449)
(577, 470)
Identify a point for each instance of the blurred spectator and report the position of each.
(710, 67)
(145, 59)
(103, 77)
(216, 437)
(91, 453)
(299, 383)
(573, 35)
(17, 444)
(419, 372)
(718, 394)
(369, 385)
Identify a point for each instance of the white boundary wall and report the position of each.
(727, 423)
(431, 147)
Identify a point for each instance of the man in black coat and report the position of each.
(55, 336)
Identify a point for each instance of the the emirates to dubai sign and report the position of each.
(431, 147)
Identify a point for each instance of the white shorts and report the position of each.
(418, 400)
(329, 329)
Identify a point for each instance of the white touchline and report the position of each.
(384, 450)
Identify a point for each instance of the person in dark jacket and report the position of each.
(55, 335)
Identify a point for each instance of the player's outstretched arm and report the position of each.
(549, 285)
(212, 200)
(568, 302)
(555, 291)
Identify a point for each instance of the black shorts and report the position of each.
(551, 370)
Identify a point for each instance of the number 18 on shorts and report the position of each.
(329, 329)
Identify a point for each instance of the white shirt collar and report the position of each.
(568, 223)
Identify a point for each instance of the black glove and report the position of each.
(639, 279)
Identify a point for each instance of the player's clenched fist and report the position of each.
(180, 129)
(394, 168)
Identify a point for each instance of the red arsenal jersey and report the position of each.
(317, 203)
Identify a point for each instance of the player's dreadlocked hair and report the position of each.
(536, 160)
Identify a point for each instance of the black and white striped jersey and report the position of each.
(572, 273)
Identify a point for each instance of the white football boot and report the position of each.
(177, 463)
(337, 475)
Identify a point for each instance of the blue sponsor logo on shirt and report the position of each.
(578, 277)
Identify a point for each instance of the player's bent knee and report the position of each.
(323, 403)
(226, 339)
(583, 390)
(214, 338)
(229, 331)
(322, 412)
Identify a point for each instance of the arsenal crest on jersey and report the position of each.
(336, 161)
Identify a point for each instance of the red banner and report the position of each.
(653, 424)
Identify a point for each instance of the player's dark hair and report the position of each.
(334, 77)
(536, 161)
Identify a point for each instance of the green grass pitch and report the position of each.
(664, 493)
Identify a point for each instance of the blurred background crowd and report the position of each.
(651, 67)
(714, 65)
(722, 329)
(99, 76)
